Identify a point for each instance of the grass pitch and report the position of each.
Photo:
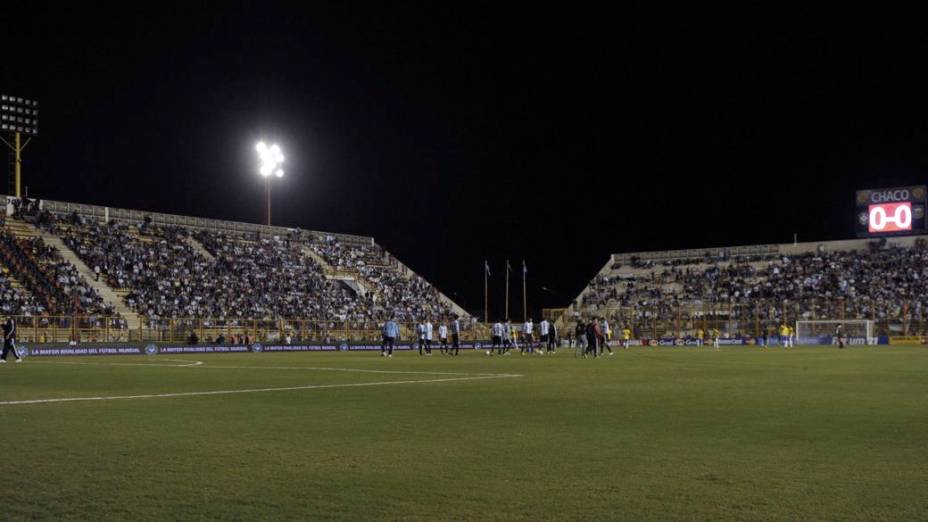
(663, 434)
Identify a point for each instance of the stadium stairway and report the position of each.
(354, 280)
(23, 229)
(326, 267)
(200, 249)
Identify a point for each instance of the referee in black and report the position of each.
(9, 340)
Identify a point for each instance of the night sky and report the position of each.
(454, 134)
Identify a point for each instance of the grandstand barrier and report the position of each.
(99, 329)
(743, 319)
(683, 325)
(53, 329)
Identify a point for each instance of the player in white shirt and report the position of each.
(497, 338)
(544, 330)
(420, 329)
(528, 328)
(428, 338)
(607, 336)
(443, 339)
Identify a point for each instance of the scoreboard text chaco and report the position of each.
(892, 211)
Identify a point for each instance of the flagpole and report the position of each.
(486, 298)
(524, 298)
(507, 289)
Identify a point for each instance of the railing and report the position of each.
(730, 319)
(100, 213)
(553, 314)
(277, 330)
(697, 253)
(747, 319)
(57, 329)
(102, 329)
(341, 273)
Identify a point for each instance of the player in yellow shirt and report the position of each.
(626, 336)
(784, 335)
(700, 335)
(791, 336)
(715, 333)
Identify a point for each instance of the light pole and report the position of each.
(271, 159)
(18, 117)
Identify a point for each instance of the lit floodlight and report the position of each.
(271, 159)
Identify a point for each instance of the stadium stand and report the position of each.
(745, 290)
(53, 281)
(170, 275)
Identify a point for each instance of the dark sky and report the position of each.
(458, 133)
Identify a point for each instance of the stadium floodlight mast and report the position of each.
(18, 117)
(271, 159)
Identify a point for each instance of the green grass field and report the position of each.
(663, 434)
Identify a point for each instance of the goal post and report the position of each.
(823, 331)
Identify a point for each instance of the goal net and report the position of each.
(824, 331)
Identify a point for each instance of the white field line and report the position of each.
(251, 390)
(355, 370)
(187, 363)
(203, 365)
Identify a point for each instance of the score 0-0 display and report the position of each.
(891, 211)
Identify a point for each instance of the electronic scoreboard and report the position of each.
(891, 212)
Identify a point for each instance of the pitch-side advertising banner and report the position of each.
(153, 349)
(907, 339)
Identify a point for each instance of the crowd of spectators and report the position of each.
(878, 284)
(16, 301)
(270, 277)
(341, 256)
(248, 277)
(401, 296)
(55, 284)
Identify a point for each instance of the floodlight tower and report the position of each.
(271, 159)
(18, 116)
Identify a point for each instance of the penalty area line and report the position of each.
(251, 390)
